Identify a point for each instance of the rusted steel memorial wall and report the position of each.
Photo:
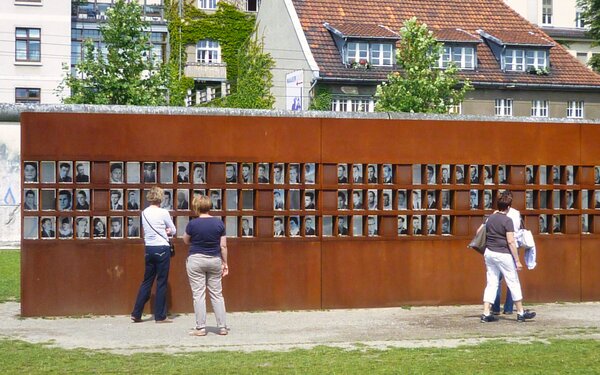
(321, 212)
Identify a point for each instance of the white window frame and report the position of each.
(455, 109)
(381, 54)
(352, 104)
(356, 51)
(462, 57)
(28, 44)
(207, 4)
(547, 8)
(579, 21)
(575, 109)
(535, 58)
(208, 52)
(504, 107)
(539, 108)
(514, 60)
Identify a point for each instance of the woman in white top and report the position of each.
(158, 226)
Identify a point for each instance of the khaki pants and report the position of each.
(205, 271)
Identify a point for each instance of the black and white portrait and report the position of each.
(431, 200)
(543, 174)
(357, 200)
(309, 199)
(342, 225)
(48, 227)
(342, 199)
(279, 173)
(30, 200)
(82, 199)
(569, 175)
(278, 199)
(133, 227)
(166, 172)
(445, 199)
(65, 171)
(310, 226)
(402, 205)
(596, 199)
(474, 199)
(116, 227)
(502, 174)
(357, 226)
(416, 199)
(199, 172)
(372, 199)
(294, 199)
(30, 172)
(474, 174)
(133, 199)
(48, 199)
(149, 175)
(597, 175)
(167, 201)
(231, 199)
(372, 174)
(278, 227)
(528, 199)
(430, 176)
(294, 173)
(30, 228)
(488, 177)
(48, 172)
(445, 171)
(569, 200)
(247, 226)
(357, 174)
(416, 174)
(487, 199)
(388, 176)
(248, 199)
(99, 227)
(556, 174)
(556, 224)
(231, 173)
(459, 174)
(372, 226)
(342, 173)
(82, 227)
(543, 223)
(247, 173)
(116, 172)
(294, 226)
(310, 173)
(183, 172)
(132, 172)
(445, 223)
(65, 228)
(65, 200)
(402, 225)
(116, 199)
(386, 199)
(585, 228)
(215, 199)
(431, 229)
(529, 176)
(263, 173)
(415, 225)
(183, 199)
(82, 172)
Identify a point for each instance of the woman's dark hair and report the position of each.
(504, 201)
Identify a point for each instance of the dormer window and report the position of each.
(462, 57)
(376, 54)
(381, 54)
(520, 60)
(356, 52)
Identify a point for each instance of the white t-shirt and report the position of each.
(515, 216)
(160, 219)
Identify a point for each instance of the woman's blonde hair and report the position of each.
(201, 204)
(155, 195)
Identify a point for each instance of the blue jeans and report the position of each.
(158, 260)
(508, 304)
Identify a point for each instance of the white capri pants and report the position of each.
(496, 264)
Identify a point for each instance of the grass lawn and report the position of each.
(10, 275)
(556, 357)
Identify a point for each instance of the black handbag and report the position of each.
(170, 241)
(478, 242)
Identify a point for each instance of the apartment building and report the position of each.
(34, 45)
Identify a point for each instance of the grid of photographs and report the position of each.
(60, 203)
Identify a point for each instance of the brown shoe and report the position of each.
(136, 320)
(223, 331)
(165, 321)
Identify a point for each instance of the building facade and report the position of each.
(349, 47)
(34, 45)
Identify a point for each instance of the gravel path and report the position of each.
(444, 326)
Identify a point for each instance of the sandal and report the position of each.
(198, 332)
(135, 320)
(223, 331)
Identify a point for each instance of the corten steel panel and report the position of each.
(454, 142)
(590, 152)
(590, 264)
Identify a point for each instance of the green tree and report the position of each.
(126, 73)
(591, 17)
(419, 86)
(254, 79)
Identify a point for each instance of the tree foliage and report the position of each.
(419, 86)
(591, 17)
(322, 100)
(126, 72)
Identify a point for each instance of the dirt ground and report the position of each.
(443, 326)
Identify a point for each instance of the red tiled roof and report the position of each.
(468, 15)
(455, 35)
(516, 37)
(365, 31)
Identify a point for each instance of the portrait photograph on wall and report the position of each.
(149, 175)
(278, 226)
(278, 199)
(231, 173)
(388, 174)
(445, 174)
(116, 227)
(372, 226)
(30, 172)
(166, 172)
(342, 173)
(294, 226)
(263, 173)
(402, 225)
(310, 225)
(132, 169)
(48, 172)
(30, 200)
(247, 226)
(215, 199)
(402, 205)
(294, 170)
(116, 172)
(372, 174)
(82, 199)
(474, 174)
(357, 200)
(133, 225)
(386, 197)
(199, 172)
(459, 174)
(357, 174)
(310, 199)
(310, 173)
(65, 200)
(183, 199)
(342, 225)
(247, 173)
(99, 227)
(48, 227)
(65, 171)
(82, 227)
(279, 173)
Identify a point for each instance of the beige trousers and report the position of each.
(205, 271)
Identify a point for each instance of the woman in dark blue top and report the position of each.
(206, 264)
